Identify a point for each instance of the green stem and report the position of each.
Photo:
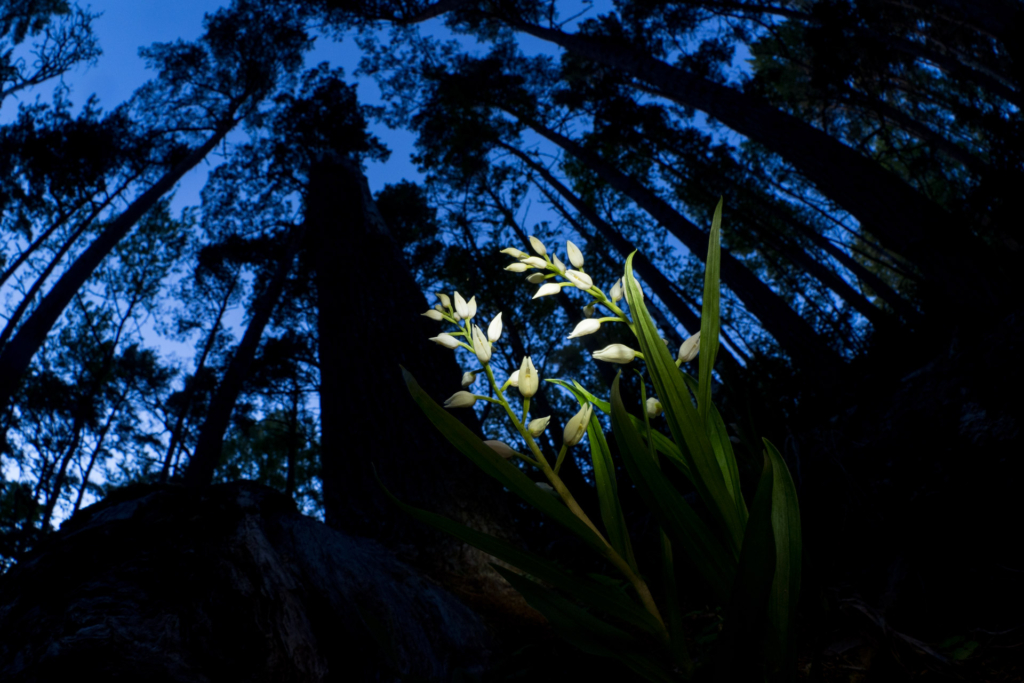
(561, 457)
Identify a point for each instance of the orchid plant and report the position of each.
(749, 556)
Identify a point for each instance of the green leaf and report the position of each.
(695, 540)
(684, 422)
(604, 478)
(719, 437)
(747, 614)
(788, 546)
(587, 632)
(709, 323)
(497, 467)
(604, 598)
(603, 406)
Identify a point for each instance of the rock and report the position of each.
(225, 584)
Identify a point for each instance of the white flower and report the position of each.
(617, 291)
(460, 399)
(588, 310)
(537, 427)
(559, 266)
(468, 378)
(535, 262)
(517, 267)
(581, 280)
(461, 309)
(514, 253)
(501, 448)
(433, 315)
(536, 278)
(654, 407)
(616, 353)
(471, 305)
(529, 380)
(549, 288)
(588, 326)
(439, 308)
(481, 347)
(689, 349)
(575, 255)
(494, 329)
(446, 340)
(445, 301)
(457, 317)
(538, 246)
(513, 379)
(577, 426)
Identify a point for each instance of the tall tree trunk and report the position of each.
(793, 333)
(16, 356)
(957, 267)
(190, 389)
(211, 437)
(58, 480)
(369, 324)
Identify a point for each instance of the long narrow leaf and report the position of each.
(719, 437)
(684, 421)
(608, 600)
(604, 479)
(788, 546)
(709, 323)
(497, 467)
(587, 632)
(715, 564)
(746, 616)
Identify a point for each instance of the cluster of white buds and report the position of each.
(574, 276)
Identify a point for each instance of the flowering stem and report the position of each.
(556, 482)
(526, 409)
(561, 457)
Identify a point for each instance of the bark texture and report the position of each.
(227, 583)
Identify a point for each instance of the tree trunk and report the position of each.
(16, 356)
(957, 267)
(369, 325)
(190, 389)
(211, 437)
(792, 332)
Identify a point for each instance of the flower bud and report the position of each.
(559, 266)
(494, 329)
(654, 407)
(537, 427)
(434, 315)
(689, 349)
(501, 448)
(577, 426)
(616, 353)
(517, 268)
(549, 288)
(460, 399)
(538, 246)
(468, 378)
(529, 380)
(446, 340)
(471, 305)
(588, 326)
(575, 255)
(461, 309)
(581, 280)
(445, 301)
(514, 253)
(588, 310)
(548, 489)
(481, 347)
(535, 262)
(536, 278)
(439, 308)
(513, 379)
(458, 318)
(616, 292)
